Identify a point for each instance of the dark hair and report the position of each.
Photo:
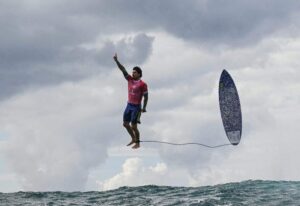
(138, 70)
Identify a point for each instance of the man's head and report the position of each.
(137, 72)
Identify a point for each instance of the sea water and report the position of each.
(242, 193)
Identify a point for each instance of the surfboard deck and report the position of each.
(230, 108)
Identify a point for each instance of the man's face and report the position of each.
(135, 74)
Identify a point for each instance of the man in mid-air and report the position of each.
(137, 89)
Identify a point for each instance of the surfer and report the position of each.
(137, 90)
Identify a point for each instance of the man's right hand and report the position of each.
(115, 57)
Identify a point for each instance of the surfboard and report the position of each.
(230, 108)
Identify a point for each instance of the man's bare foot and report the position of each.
(130, 143)
(136, 146)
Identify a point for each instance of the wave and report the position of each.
(251, 192)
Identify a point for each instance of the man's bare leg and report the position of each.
(131, 133)
(137, 136)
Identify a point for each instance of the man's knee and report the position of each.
(133, 126)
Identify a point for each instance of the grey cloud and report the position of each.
(232, 23)
(25, 66)
(132, 50)
(40, 42)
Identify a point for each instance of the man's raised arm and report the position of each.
(121, 67)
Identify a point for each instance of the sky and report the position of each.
(62, 96)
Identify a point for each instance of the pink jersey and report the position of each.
(136, 90)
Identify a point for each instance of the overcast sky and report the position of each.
(62, 96)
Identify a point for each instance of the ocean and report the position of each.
(243, 193)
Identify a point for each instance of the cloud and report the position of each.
(55, 135)
(263, 155)
(209, 23)
(42, 43)
(188, 111)
(68, 64)
(64, 131)
(135, 173)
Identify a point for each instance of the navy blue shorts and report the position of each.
(132, 113)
